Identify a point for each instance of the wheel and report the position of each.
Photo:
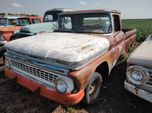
(93, 88)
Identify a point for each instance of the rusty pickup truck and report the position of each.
(139, 71)
(68, 65)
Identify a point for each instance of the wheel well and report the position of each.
(103, 69)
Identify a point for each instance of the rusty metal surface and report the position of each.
(7, 32)
(120, 43)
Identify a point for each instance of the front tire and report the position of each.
(93, 88)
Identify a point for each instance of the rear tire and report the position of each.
(93, 89)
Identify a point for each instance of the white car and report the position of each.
(139, 71)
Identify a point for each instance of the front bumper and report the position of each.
(138, 92)
(66, 99)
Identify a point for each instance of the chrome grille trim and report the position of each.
(39, 62)
(34, 72)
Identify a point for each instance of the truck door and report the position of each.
(119, 45)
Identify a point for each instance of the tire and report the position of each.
(93, 89)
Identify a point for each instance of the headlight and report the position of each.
(137, 75)
(61, 86)
(64, 84)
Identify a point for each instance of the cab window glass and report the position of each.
(116, 23)
(66, 23)
(24, 21)
(36, 21)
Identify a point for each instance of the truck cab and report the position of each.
(8, 21)
(68, 65)
(27, 20)
(52, 15)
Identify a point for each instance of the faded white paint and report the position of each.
(69, 47)
(142, 54)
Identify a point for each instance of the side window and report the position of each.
(67, 23)
(36, 21)
(116, 23)
(48, 18)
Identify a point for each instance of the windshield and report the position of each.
(8, 22)
(23, 21)
(85, 23)
(35, 21)
(51, 16)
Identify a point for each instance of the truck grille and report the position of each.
(149, 82)
(34, 72)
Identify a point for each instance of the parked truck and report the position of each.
(8, 20)
(10, 25)
(15, 24)
(68, 65)
(49, 24)
(139, 71)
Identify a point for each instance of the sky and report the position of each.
(129, 8)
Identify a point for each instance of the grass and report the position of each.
(143, 26)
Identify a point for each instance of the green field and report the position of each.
(144, 27)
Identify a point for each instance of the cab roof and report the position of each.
(91, 11)
(59, 9)
(10, 17)
(35, 16)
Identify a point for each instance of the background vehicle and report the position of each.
(27, 20)
(139, 71)
(12, 25)
(69, 64)
(8, 21)
(8, 31)
(50, 19)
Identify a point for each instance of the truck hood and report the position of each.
(142, 54)
(68, 47)
(40, 27)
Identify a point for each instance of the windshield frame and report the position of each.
(83, 16)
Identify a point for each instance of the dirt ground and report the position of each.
(113, 98)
